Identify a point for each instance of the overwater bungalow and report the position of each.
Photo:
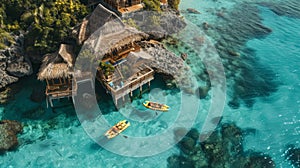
(56, 70)
(123, 69)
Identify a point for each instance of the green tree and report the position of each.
(152, 5)
(174, 4)
(5, 38)
(48, 22)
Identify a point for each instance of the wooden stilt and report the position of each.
(50, 101)
(47, 103)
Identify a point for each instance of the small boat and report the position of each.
(117, 129)
(156, 106)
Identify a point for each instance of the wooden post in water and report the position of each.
(149, 85)
(141, 90)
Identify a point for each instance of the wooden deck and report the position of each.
(122, 87)
(121, 55)
(58, 92)
(131, 9)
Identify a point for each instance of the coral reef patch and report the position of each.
(222, 148)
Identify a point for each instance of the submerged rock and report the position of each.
(205, 25)
(288, 8)
(259, 160)
(179, 162)
(234, 103)
(187, 145)
(241, 66)
(8, 134)
(233, 53)
(221, 148)
(194, 134)
(293, 155)
(231, 131)
(192, 10)
(203, 91)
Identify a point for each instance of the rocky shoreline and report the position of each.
(14, 63)
(171, 66)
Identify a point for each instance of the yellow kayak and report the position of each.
(156, 106)
(117, 129)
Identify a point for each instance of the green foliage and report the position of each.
(5, 38)
(155, 20)
(152, 5)
(174, 4)
(48, 21)
(131, 23)
(107, 68)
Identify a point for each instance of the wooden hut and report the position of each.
(116, 47)
(115, 44)
(93, 22)
(56, 70)
(123, 6)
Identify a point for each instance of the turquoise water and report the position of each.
(57, 139)
(277, 116)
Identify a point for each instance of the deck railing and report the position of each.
(133, 84)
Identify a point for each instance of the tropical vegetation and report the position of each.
(47, 23)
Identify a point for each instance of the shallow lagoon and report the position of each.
(57, 135)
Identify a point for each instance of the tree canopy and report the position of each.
(47, 22)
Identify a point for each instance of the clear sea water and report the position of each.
(57, 139)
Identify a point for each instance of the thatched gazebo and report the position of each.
(57, 71)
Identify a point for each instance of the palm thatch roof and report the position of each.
(66, 52)
(57, 65)
(93, 22)
(113, 36)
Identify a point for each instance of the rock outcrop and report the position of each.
(192, 10)
(157, 25)
(8, 134)
(166, 62)
(13, 62)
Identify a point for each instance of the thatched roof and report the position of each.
(113, 35)
(66, 52)
(93, 22)
(57, 65)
